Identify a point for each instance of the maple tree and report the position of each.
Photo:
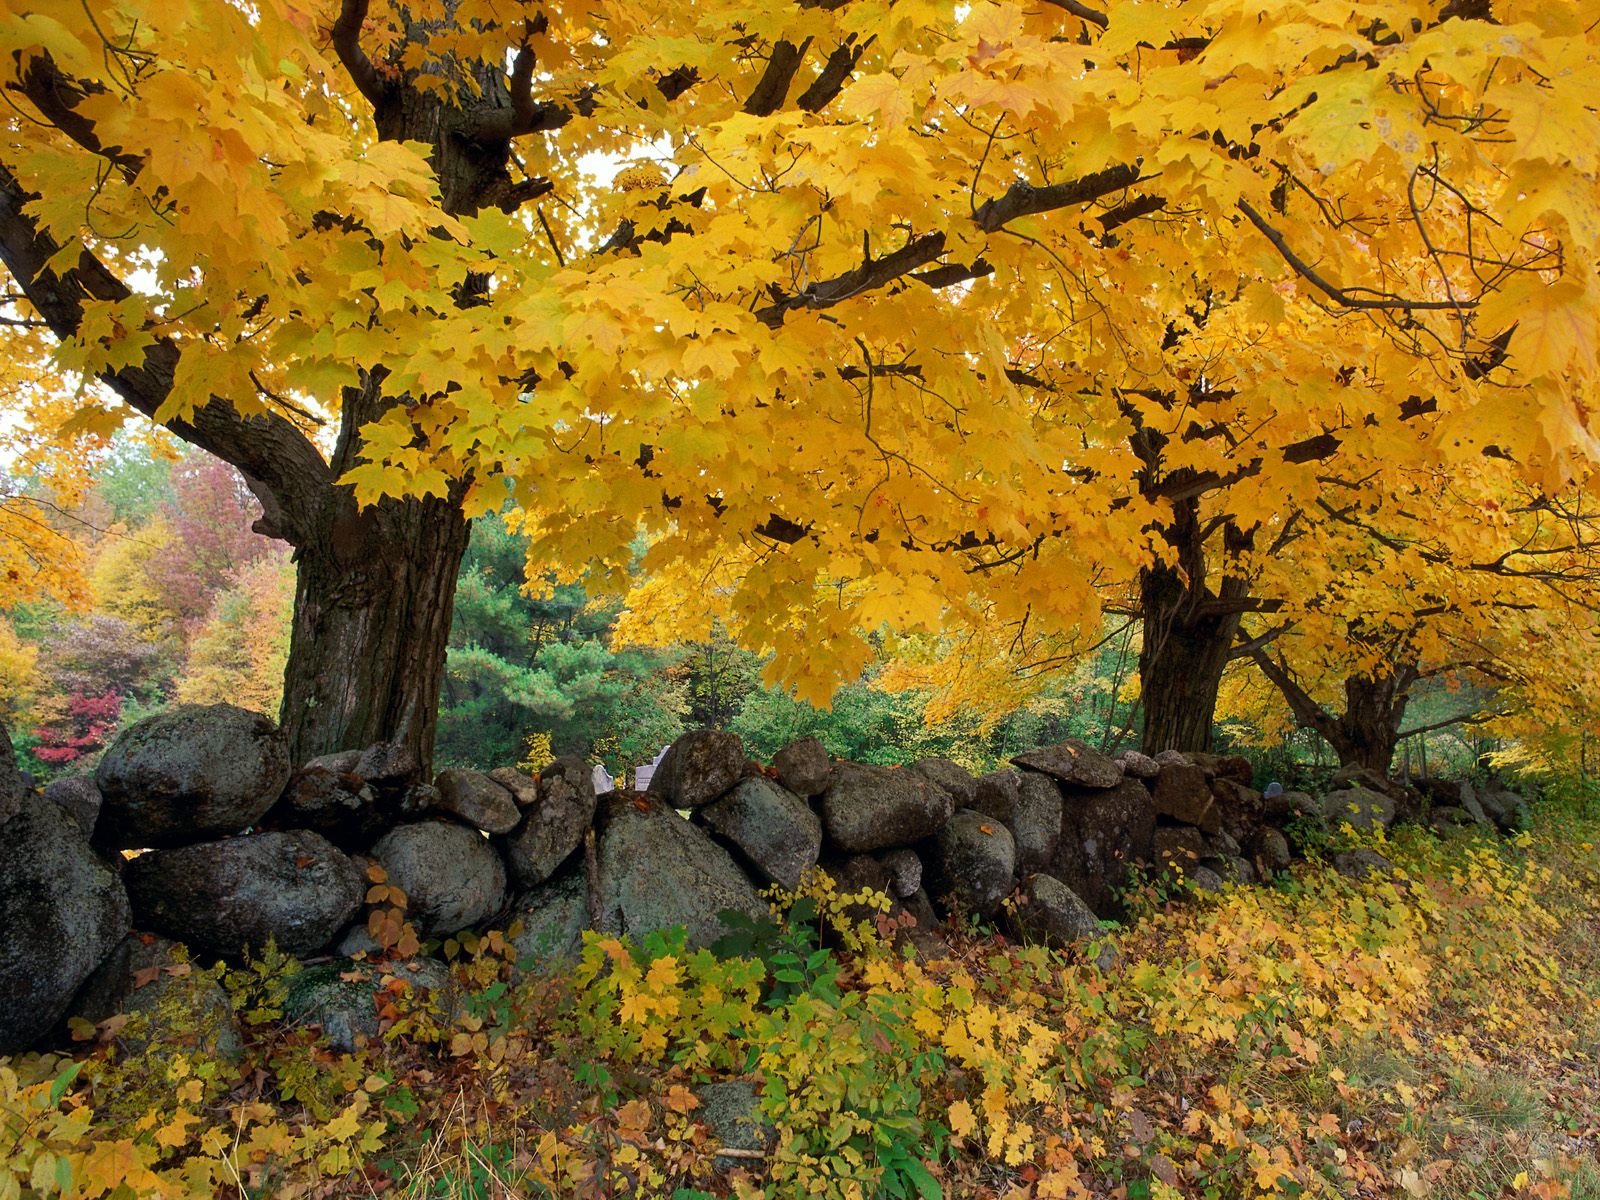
(908, 315)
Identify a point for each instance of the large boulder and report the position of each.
(1050, 912)
(1361, 808)
(221, 898)
(1074, 762)
(1362, 864)
(342, 998)
(476, 800)
(1138, 764)
(151, 979)
(548, 921)
(1178, 847)
(873, 808)
(1505, 808)
(804, 767)
(451, 875)
(700, 766)
(951, 776)
(1103, 833)
(1183, 793)
(524, 788)
(1029, 805)
(193, 772)
(1224, 766)
(12, 785)
(79, 796)
(658, 870)
(771, 826)
(552, 828)
(1269, 850)
(389, 765)
(337, 804)
(972, 863)
(62, 910)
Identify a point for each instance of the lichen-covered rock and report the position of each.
(771, 826)
(873, 808)
(549, 921)
(195, 771)
(342, 998)
(1182, 793)
(972, 863)
(1362, 864)
(173, 1003)
(1204, 879)
(700, 766)
(476, 800)
(903, 868)
(79, 796)
(1178, 846)
(524, 788)
(951, 776)
(658, 870)
(1360, 808)
(1233, 767)
(1270, 850)
(62, 910)
(12, 786)
(1138, 764)
(1286, 806)
(392, 765)
(1050, 912)
(804, 767)
(552, 829)
(732, 1110)
(338, 805)
(221, 898)
(1103, 833)
(451, 875)
(1074, 762)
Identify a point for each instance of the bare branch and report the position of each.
(347, 45)
(1024, 199)
(1082, 11)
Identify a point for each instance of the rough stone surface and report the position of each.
(1182, 793)
(451, 875)
(1179, 846)
(220, 897)
(904, 870)
(79, 796)
(1138, 764)
(12, 786)
(1204, 879)
(996, 793)
(476, 800)
(340, 762)
(772, 827)
(1270, 850)
(1361, 808)
(951, 776)
(62, 910)
(524, 788)
(658, 870)
(700, 766)
(1074, 762)
(194, 771)
(388, 765)
(1362, 864)
(1052, 913)
(1230, 868)
(1172, 757)
(1028, 803)
(552, 918)
(804, 767)
(1286, 806)
(553, 827)
(732, 1110)
(1239, 806)
(335, 804)
(1234, 767)
(972, 862)
(1505, 808)
(1102, 833)
(137, 976)
(341, 998)
(1471, 804)
(873, 808)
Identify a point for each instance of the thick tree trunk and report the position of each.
(373, 602)
(1180, 664)
(1369, 730)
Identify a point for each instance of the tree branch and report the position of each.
(772, 89)
(347, 45)
(1082, 11)
(1023, 199)
(835, 72)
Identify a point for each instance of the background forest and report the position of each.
(183, 603)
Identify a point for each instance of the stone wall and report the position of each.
(236, 847)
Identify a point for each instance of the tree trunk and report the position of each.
(373, 601)
(1369, 729)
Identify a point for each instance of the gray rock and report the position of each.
(1230, 868)
(1471, 805)
(1223, 844)
(700, 766)
(194, 771)
(173, 1004)
(1173, 758)
(972, 864)
(358, 940)
(1050, 912)
(804, 767)
(1234, 767)
(340, 762)
(657, 870)
(1361, 808)
(524, 788)
(772, 827)
(79, 796)
(1286, 806)
(1182, 793)
(389, 765)
(1028, 803)
(1204, 879)
(220, 898)
(1103, 832)
(1362, 864)
(996, 793)
(1505, 808)
(62, 911)
(732, 1111)
(1449, 817)
(1074, 762)
(873, 808)
(1270, 850)
(12, 785)
(1138, 764)
(338, 806)
(1239, 807)
(548, 921)
(553, 828)
(476, 800)
(858, 874)
(904, 871)
(1178, 846)
(951, 776)
(451, 875)
(341, 998)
